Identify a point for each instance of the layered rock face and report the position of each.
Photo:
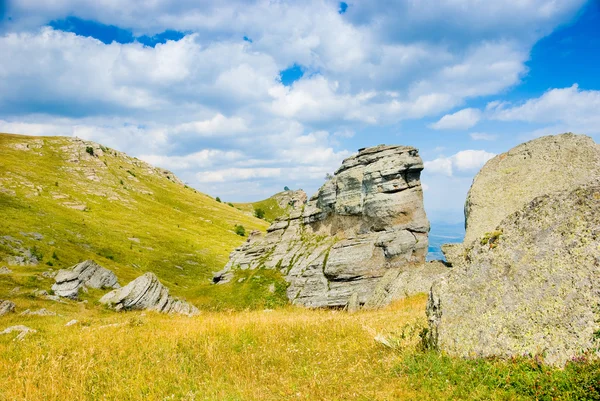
(531, 287)
(147, 292)
(365, 222)
(86, 274)
(512, 179)
(7, 307)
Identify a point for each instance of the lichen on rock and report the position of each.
(528, 288)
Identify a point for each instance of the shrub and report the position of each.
(54, 255)
(218, 199)
(259, 213)
(230, 204)
(286, 188)
(240, 230)
(90, 150)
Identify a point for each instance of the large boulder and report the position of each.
(364, 222)
(529, 287)
(511, 180)
(85, 274)
(146, 292)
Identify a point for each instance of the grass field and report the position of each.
(283, 354)
(63, 201)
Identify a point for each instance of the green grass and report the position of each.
(270, 206)
(148, 223)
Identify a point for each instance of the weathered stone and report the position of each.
(85, 274)
(511, 180)
(402, 283)
(365, 221)
(7, 307)
(147, 292)
(40, 312)
(530, 287)
(71, 323)
(5, 270)
(23, 331)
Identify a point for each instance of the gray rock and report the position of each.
(5, 270)
(71, 323)
(7, 307)
(365, 221)
(40, 312)
(23, 331)
(528, 288)
(511, 180)
(399, 284)
(85, 274)
(147, 293)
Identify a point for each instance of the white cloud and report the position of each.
(212, 107)
(463, 161)
(463, 119)
(570, 109)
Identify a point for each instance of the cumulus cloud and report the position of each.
(212, 106)
(567, 108)
(463, 161)
(463, 119)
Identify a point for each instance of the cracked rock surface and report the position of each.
(366, 221)
(85, 274)
(147, 292)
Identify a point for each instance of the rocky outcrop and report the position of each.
(364, 224)
(511, 180)
(530, 287)
(7, 307)
(146, 292)
(86, 274)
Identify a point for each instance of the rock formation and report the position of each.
(86, 274)
(531, 287)
(6, 307)
(147, 292)
(364, 224)
(512, 179)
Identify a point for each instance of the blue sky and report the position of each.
(242, 98)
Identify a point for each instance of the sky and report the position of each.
(242, 98)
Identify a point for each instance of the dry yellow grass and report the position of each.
(288, 353)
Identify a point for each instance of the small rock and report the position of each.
(272, 288)
(15, 290)
(23, 331)
(6, 307)
(5, 270)
(41, 312)
(49, 274)
(40, 293)
(71, 323)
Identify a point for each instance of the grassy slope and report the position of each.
(285, 354)
(270, 206)
(152, 223)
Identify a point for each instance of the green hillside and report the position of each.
(272, 206)
(64, 200)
